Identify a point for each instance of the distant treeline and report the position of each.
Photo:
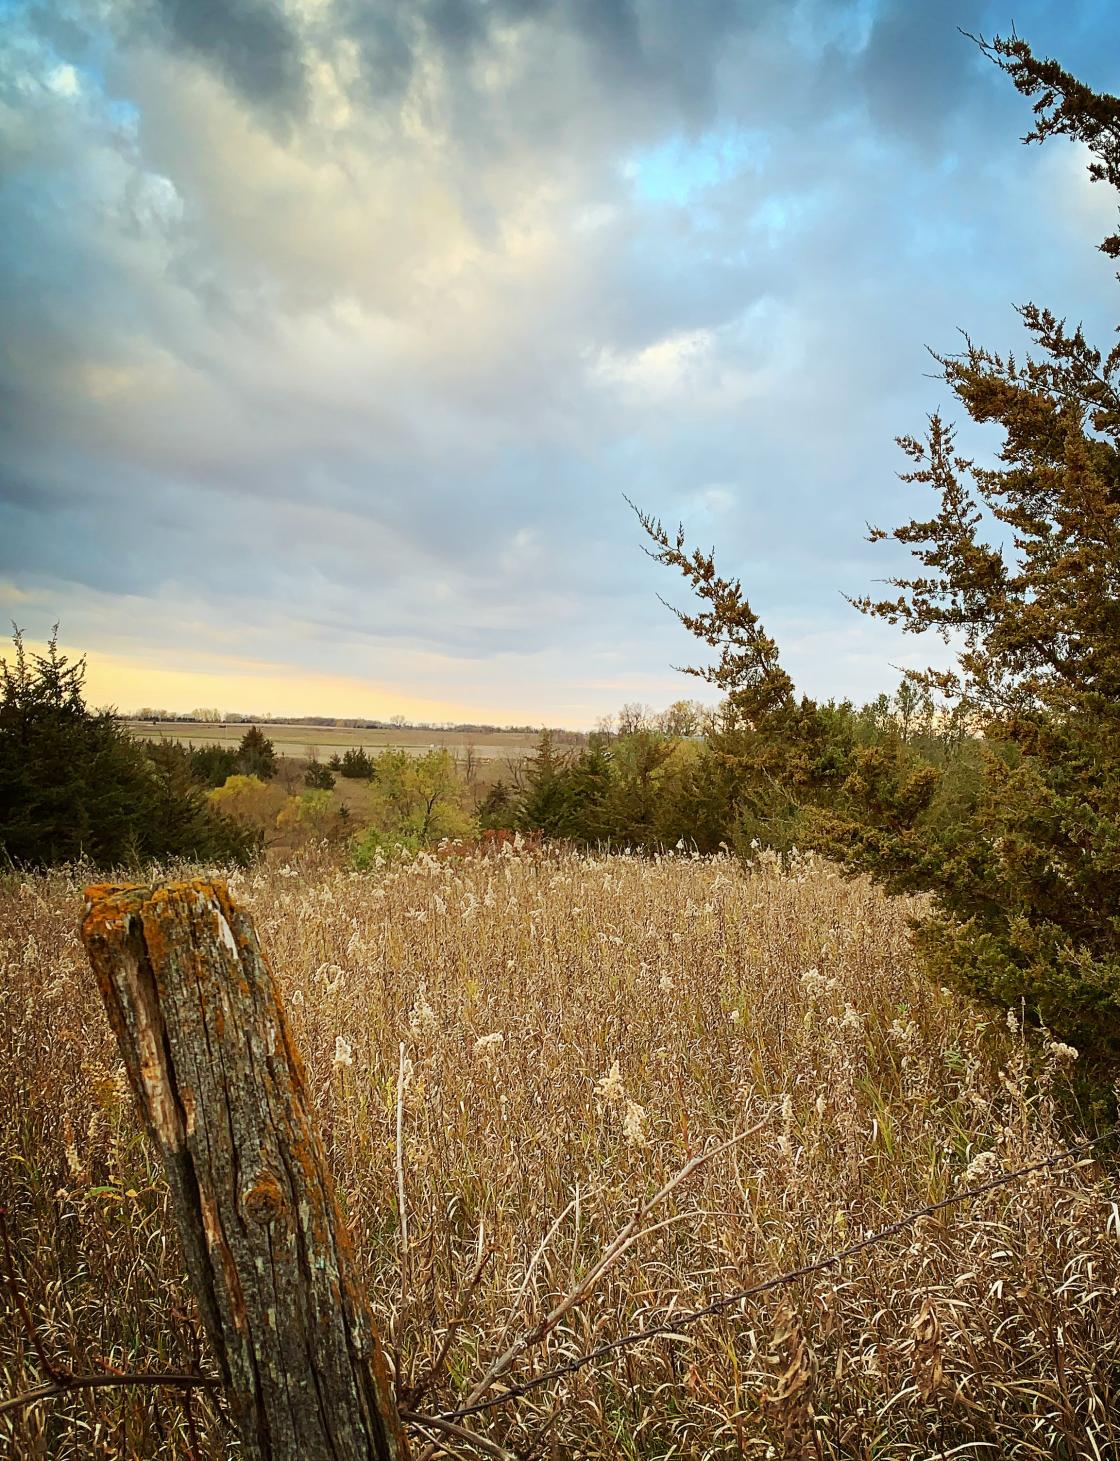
(725, 783)
(74, 784)
(688, 776)
(156, 715)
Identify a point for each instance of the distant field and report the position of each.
(298, 740)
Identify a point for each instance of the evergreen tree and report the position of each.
(74, 785)
(1010, 815)
(627, 800)
(498, 809)
(588, 819)
(546, 798)
(354, 764)
(319, 777)
(256, 755)
(212, 765)
(1028, 902)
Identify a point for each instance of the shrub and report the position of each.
(319, 777)
(210, 765)
(371, 847)
(252, 803)
(354, 763)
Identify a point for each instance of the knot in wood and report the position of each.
(263, 1200)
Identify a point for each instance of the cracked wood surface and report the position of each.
(197, 1014)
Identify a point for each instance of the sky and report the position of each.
(336, 333)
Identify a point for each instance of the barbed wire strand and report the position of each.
(729, 1301)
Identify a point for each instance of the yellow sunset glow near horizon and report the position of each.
(127, 684)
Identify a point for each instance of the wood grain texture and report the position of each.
(198, 1017)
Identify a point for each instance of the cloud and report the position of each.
(248, 43)
(713, 499)
(348, 325)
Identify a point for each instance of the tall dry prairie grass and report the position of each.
(574, 1030)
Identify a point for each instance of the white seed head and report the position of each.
(343, 1051)
(634, 1124)
(611, 1087)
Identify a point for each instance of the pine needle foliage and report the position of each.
(1029, 898)
(74, 786)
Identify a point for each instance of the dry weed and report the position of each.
(525, 1048)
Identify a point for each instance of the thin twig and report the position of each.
(536, 1258)
(433, 1373)
(402, 1079)
(448, 1427)
(66, 1383)
(474, 1404)
(623, 1241)
(193, 1444)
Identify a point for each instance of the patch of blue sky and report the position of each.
(123, 114)
(775, 215)
(679, 168)
(66, 70)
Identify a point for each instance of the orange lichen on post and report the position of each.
(200, 1024)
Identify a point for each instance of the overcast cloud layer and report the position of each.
(334, 331)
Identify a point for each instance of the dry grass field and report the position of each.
(560, 1035)
(297, 740)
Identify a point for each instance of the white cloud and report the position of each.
(63, 81)
(714, 499)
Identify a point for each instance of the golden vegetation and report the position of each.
(529, 1046)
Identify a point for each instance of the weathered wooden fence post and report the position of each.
(197, 1014)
